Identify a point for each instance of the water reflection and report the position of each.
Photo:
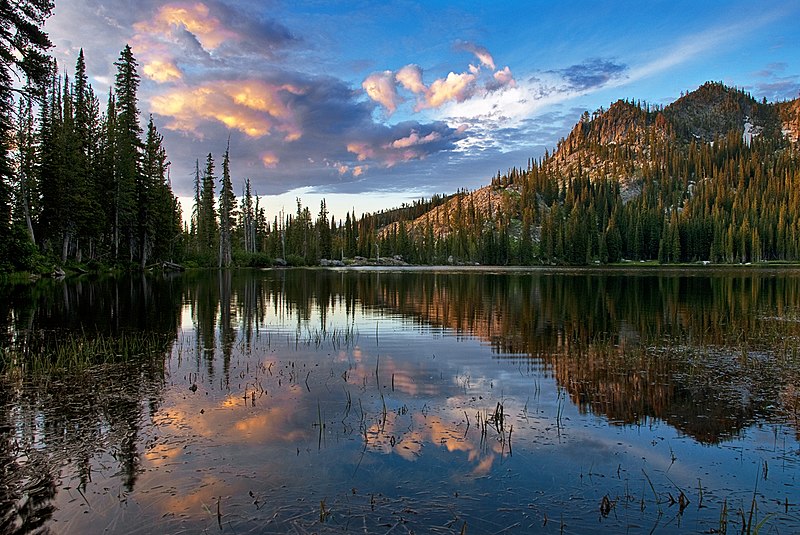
(71, 418)
(264, 373)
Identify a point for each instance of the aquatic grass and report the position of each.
(338, 338)
(77, 351)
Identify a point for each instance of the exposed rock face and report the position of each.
(789, 113)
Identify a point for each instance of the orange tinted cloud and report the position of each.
(414, 139)
(382, 87)
(194, 18)
(270, 160)
(162, 71)
(361, 150)
(252, 107)
(458, 87)
(410, 77)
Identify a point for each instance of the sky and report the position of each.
(374, 104)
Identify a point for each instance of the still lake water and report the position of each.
(418, 401)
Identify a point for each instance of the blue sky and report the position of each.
(371, 104)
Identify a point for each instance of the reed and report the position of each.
(77, 351)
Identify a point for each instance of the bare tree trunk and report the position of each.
(65, 247)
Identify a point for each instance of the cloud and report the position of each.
(480, 52)
(194, 18)
(270, 160)
(405, 142)
(502, 78)
(457, 87)
(414, 139)
(592, 73)
(162, 70)
(774, 84)
(410, 77)
(202, 33)
(361, 149)
(255, 108)
(380, 87)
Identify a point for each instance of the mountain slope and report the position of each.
(709, 174)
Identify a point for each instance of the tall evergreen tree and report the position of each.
(247, 214)
(206, 214)
(127, 176)
(23, 48)
(159, 215)
(227, 212)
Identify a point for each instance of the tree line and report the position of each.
(86, 183)
(653, 198)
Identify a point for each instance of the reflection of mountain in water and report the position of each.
(695, 352)
(710, 355)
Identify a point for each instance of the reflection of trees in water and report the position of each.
(73, 417)
(629, 347)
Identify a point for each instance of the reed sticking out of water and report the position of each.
(655, 494)
(77, 351)
(324, 511)
(723, 518)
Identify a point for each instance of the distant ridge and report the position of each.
(713, 136)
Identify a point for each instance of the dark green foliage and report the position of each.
(87, 189)
(23, 58)
(227, 212)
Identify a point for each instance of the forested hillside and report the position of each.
(714, 177)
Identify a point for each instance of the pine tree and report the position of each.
(227, 212)
(324, 232)
(206, 214)
(247, 214)
(127, 176)
(158, 213)
(26, 184)
(23, 47)
(86, 131)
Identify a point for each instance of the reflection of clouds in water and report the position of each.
(408, 435)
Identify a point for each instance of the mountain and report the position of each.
(702, 172)
(789, 113)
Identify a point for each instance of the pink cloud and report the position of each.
(414, 139)
(480, 52)
(270, 160)
(505, 78)
(380, 87)
(192, 17)
(361, 150)
(458, 87)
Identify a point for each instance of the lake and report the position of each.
(413, 401)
